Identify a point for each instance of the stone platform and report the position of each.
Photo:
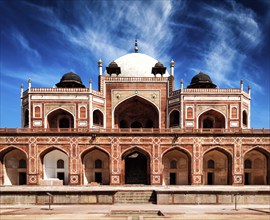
(130, 194)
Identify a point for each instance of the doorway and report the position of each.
(210, 178)
(136, 168)
(172, 178)
(98, 177)
(22, 178)
(61, 176)
(247, 178)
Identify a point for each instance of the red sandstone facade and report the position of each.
(136, 129)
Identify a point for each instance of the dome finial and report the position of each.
(136, 49)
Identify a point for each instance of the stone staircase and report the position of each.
(135, 197)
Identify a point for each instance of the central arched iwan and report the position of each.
(136, 112)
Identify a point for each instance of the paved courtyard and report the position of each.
(134, 212)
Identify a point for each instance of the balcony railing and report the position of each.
(206, 91)
(133, 131)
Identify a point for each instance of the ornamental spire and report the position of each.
(136, 49)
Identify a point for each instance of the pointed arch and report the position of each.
(133, 149)
(48, 166)
(53, 117)
(189, 154)
(14, 166)
(218, 118)
(91, 148)
(259, 148)
(136, 166)
(136, 108)
(218, 148)
(51, 148)
(256, 166)
(95, 166)
(26, 118)
(174, 117)
(98, 117)
(180, 173)
(221, 172)
(10, 148)
(245, 118)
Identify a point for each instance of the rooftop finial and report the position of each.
(136, 46)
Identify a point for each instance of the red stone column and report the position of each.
(32, 167)
(74, 176)
(197, 163)
(237, 163)
(116, 165)
(156, 172)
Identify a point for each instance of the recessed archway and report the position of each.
(256, 167)
(136, 163)
(60, 119)
(136, 112)
(174, 118)
(96, 167)
(211, 119)
(97, 118)
(176, 167)
(55, 167)
(217, 167)
(14, 167)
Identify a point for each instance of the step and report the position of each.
(135, 197)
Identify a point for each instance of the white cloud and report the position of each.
(233, 34)
(108, 29)
(44, 79)
(23, 43)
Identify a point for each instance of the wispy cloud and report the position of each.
(109, 33)
(23, 43)
(40, 78)
(233, 33)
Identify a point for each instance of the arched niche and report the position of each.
(176, 167)
(96, 167)
(55, 166)
(217, 167)
(174, 119)
(26, 118)
(97, 118)
(245, 118)
(14, 167)
(256, 167)
(136, 112)
(60, 119)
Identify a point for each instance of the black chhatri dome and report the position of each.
(159, 64)
(113, 68)
(158, 69)
(201, 80)
(70, 80)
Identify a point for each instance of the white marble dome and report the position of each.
(136, 65)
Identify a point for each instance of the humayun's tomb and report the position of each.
(135, 129)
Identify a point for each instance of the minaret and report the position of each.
(100, 67)
(172, 68)
(22, 87)
(181, 84)
(136, 49)
(90, 85)
(22, 91)
(241, 85)
(29, 83)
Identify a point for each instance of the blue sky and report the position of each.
(42, 40)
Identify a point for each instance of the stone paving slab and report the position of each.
(100, 212)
